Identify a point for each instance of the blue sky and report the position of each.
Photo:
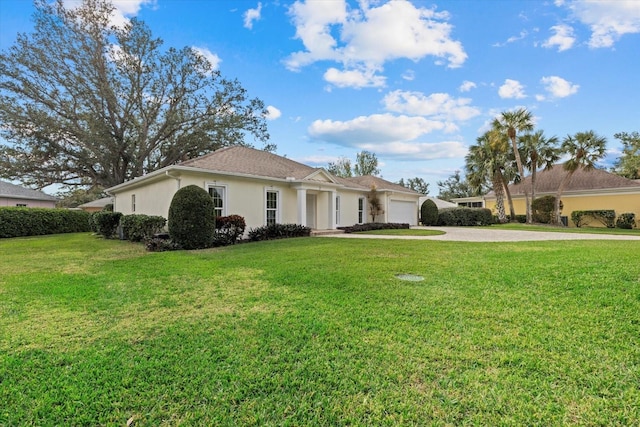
(415, 82)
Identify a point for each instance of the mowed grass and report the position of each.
(318, 331)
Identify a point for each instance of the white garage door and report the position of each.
(403, 212)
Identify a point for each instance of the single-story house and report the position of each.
(96, 205)
(16, 195)
(593, 189)
(266, 188)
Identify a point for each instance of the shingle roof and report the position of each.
(13, 191)
(581, 180)
(369, 181)
(244, 160)
(99, 203)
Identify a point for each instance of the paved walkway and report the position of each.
(465, 234)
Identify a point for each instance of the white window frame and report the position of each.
(266, 206)
(133, 203)
(225, 191)
(362, 210)
(337, 210)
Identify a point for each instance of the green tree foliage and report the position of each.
(83, 102)
(74, 197)
(341, 167)
(429, 213)
(628, 165)
(366, 164)
(192, 218)
(456, 187)
(375, 204)
(417, 184)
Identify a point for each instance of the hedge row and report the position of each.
(463, 216)
(278, 231)
(606, 217)
(21, 222)
(373, 226)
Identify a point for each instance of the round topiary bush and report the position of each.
(429, 213)
(191, 218)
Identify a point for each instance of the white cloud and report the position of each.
(563, 38)
(365, 38)
(124, 9)
(523, 34)
(558, 87)
(466, 86)
(213, 59)
(273, 113)
(252, 15)
(409, 75)
(511, 89)
(437, 105)
(608, 20)
(354, 78)
(420, 150)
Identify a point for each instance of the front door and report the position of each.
(311, 210)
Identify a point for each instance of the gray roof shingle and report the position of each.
(12, 191)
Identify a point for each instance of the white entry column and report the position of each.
(332, 210)
(302, 207)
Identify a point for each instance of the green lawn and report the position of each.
(318, 331)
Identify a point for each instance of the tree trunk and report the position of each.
(509, 200)
(563, 183)
(498, 188)
(533, 192)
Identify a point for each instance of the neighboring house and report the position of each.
(15, 195)
(266, 188)
(96, 205)
(594, 189)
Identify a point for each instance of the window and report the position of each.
(337, 210)
(272, 207)
(217, 193)
(133, 203)
(361, 210)
(21, 205)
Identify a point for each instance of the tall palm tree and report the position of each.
(483, 163)
(513, 122)
(538, 151)
(584, 150)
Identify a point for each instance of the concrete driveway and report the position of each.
(488, 234)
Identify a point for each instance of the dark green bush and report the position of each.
(229, 229)
(106, 223)
(191, 218)
(463, 216)
(19, 222)
(626, 221)
(137, 228)
(543, 209)
(429, 213)
(605, 216)
(160, 244)
(278, 231)
(374, 226)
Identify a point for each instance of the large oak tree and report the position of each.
(83, 102)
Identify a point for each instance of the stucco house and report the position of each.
(96, 205)
(15, 195)
(266, 188)
(586, 190)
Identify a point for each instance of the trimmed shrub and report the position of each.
(106, 223)
(20, 221)
(137, 228)
(374, 226)
(626, 221)
(464, 217)
(543, 209)
(229, 229)
(604, 216)
(429, 213)
(161, 244)
(278, 231)
(191, 218)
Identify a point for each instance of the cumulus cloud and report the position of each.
(124, 9)
(466, 86)
(437, 105)
(252, 15)
(608, 20)
(363, 39)
(420, 150)
(354, 78)
(213, 59)
(563, 38)
(511, 89)
(558, 87)
(273, 113)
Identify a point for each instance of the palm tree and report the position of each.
(513, 122)
(538, 151)
(483, 163)
(584, 150)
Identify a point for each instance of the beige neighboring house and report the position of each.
(96, 205)
(593, 189)
(266, 188)
(15, 195)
